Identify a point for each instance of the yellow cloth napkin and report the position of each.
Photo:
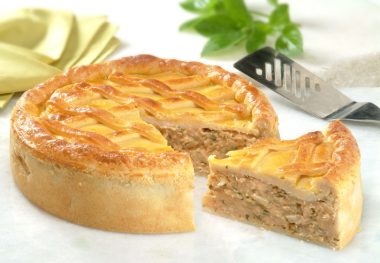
(4, 99)
(43, 31)
(25, 52)
(99, 42)
(19, 72)
(83, 32)
(112, 45)
(36, 44)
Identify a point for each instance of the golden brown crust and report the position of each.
(71, 150)
(36, 137)
(345, 181)
(346, 152)
(312, 165)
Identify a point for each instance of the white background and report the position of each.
(332, 30)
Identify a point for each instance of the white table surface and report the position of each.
(332, 29)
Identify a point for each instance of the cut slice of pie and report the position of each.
(109, 145)
(309, 188)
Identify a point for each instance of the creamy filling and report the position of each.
(248, 199)
(200, 143)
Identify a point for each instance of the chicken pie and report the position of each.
(113, 145)
(309, 187)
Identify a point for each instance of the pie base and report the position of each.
(97, 201)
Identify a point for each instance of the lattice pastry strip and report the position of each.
(290, 159)
(196, 97)
(107, 123)
(97, 101)
(111, 107)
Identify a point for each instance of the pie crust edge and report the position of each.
(34, 136)
(55, 175)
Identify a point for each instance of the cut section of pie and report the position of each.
(309, 188)
(109, 145)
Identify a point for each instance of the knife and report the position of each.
(303, 88)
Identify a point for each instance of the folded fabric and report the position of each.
(25, 52)
(36, 44)
(19, 72)
(98, 43)
(82, 34)
(112, 45)
(43, 31)
(4, 99)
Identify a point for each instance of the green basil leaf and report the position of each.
(215, 24)
(280, 16)
(237, 10)
(273, 2)
(222, 41)
(257, 37)
(229, 22)
(195, 6)
(290, 41)
(199, 6)
(190, 24)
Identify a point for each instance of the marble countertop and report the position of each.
(28, 234)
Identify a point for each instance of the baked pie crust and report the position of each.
(93, 145)
(309, 187)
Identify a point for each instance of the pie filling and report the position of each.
(250, 200)
(200, 143)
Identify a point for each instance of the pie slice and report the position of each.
(309, 188)
(109, 145)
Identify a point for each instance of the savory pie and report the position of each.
(309, 188)
(109, 145)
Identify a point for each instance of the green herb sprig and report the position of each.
(228, 23)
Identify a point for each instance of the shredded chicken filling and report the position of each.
(200, 143)
(250, 200)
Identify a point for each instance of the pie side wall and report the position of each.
(100, 202)
(350, 208)
(252, 201)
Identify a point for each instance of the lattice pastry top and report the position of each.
(308, 165)
(106, 110)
